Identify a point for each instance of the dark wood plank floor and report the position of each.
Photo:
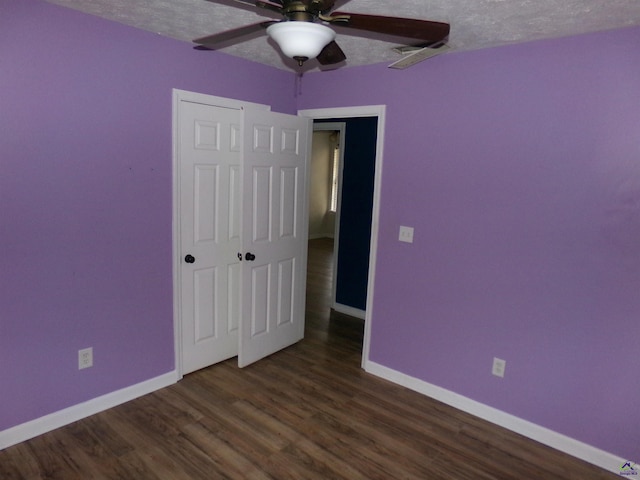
(308, 412)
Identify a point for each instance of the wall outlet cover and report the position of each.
(85, 358)
(498, 368)
(406, 234)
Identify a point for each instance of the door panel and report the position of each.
(210, 189)
(235, 204)
(205, 303)
(234, 286)
(204, 203)
(286, 289)
(275, 232)
(262, 204)
(260, 288)
(288, 204)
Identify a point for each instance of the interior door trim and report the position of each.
(364, 111)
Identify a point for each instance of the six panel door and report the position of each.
(276, 148)
(210, 188)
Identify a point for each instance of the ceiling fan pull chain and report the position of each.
(298, 85)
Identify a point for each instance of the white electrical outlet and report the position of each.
(85, 358)
(406, 234)
(498, 367)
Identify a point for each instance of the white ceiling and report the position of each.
(474, 23)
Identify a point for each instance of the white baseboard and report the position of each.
(33, 428)
(316, 236)
(351, 311)
(530, 430)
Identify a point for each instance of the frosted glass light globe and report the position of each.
(301, 40)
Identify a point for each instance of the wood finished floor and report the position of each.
(308, 412)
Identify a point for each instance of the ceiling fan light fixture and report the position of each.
(301, 40)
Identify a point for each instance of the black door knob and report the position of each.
(189, 259)
(249, 257)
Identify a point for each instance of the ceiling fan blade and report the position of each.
(272, 5)
(425, 30)
(331, 54)
(228, 35)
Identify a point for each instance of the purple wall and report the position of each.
(519, 168)
(85, 198)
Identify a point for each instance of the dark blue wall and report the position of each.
(356, 210)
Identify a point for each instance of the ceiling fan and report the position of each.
(302, 33)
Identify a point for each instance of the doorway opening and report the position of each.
(325, 194)
(377, 115)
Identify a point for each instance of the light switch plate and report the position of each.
(406, 234)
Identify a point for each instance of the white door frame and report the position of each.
(364, 111)
(179, 96)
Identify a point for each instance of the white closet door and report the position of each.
(210, 187)
(274, 221)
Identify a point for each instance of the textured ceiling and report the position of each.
(474, 23)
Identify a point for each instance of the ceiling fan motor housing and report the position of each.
(298, 12)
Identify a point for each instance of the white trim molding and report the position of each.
(39, 426)
(351, 311)
(558, 441)
(352, 112)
